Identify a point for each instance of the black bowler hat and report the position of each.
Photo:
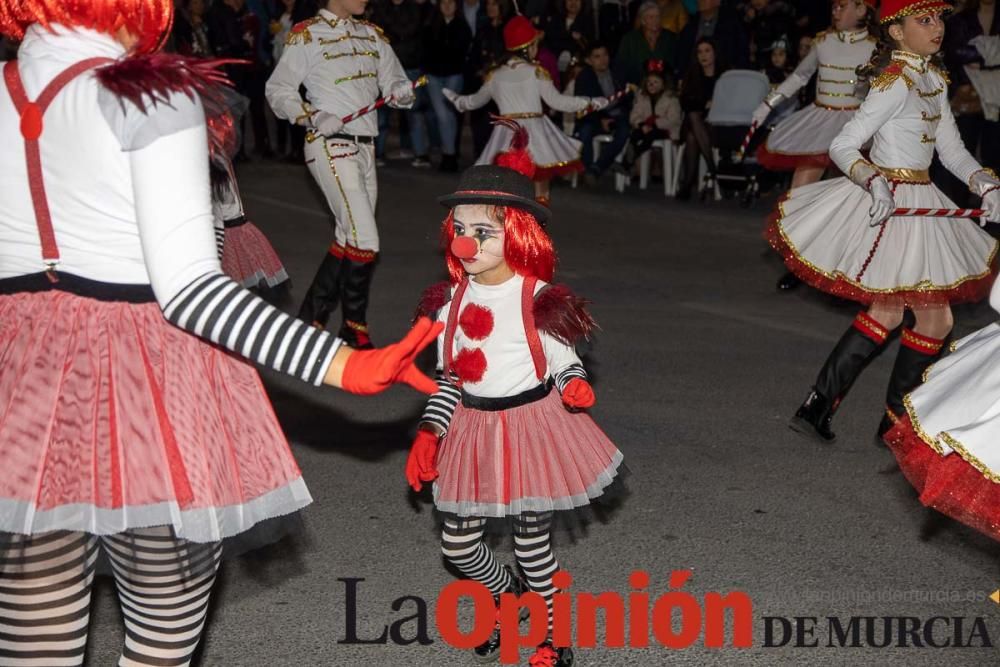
(507, 183)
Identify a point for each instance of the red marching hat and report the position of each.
(519, 33)
(897, 9)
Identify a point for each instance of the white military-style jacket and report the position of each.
(836, 56)
(908, 115)
(345, 64)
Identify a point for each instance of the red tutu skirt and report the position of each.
(533, 458)
(111, 418)
(949, 484)
(249, 259)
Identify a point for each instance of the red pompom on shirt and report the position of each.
(476, 321)
(470, 365)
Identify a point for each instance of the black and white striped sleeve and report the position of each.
(563, 377)
(441, 406)
(217, 308)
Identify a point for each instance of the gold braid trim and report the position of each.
(378, 30)
(542, 73)
(300, 32)
(889, 75)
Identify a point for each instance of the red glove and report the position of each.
(420, 463)
(374, 371)
(578, 394)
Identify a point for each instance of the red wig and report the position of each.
(526, 248)
(148, 20)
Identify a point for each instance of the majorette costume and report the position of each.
(948, 442)
(343, 64)
(121, 428)
(803, 139)
(511, 447)
(520, 87)
(825, 234)
(246, 254)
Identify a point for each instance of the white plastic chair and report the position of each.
(620, 179)
(671, 156)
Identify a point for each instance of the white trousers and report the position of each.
(345, 172)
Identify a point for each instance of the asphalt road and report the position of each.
(698, 365)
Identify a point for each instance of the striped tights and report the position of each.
(463, 546)
(45, 585)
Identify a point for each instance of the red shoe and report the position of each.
(546, 655)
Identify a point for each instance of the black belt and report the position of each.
(358, 139)
(234, 222)
(506, 402)
(67, 282)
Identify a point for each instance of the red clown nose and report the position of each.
(464, 247)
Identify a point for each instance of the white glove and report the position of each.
(403, 95)
(991, 204)
(883, 203)
(597, 103)
(452, 97)
(760, 114)
(326, 123)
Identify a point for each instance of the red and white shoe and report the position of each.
(546, 655)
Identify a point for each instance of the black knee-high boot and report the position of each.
(916, 354)
(323, 295)
(359, 269)
(858, 346)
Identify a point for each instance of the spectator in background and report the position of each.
(448, 41)
(614, 19)
(474, 14)
(597, 80)
(649, 41)
(723, 26)
(401, 20)
(811, 16)
(978, 17)
(281, 26)
(696, 99)
(487, 50)
(766, 22)
(778, 65)
(573, 70)
(569, 30)
(233, 31)
(190, 35)
(806, 94)
(656, 114)
(673, 15)
(537, 11)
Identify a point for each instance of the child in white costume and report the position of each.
(519, 86)
(840, 235)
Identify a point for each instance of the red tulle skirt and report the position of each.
(533, 458)
(949, 484)
(249, 259)
(789, 162)
(111, 418)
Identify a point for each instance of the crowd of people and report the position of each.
(672, 50)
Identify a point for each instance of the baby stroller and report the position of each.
(737, 94)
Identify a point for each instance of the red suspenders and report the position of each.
(527, 315)
(31, 114)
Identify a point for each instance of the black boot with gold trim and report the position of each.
(323, 295)
(359, 269)
(916, 354)
(858, 346)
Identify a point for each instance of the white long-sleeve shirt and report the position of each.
(130, 204)
(908, 114)
(343, 63)
(519, 87)
(836, 56)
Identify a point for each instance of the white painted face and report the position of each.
(479, 239)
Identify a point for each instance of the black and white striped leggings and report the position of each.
(462, 544)
(46, 580)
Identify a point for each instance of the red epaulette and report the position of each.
(433, 300)
(152, 78)
(562, 315)
(302, 25)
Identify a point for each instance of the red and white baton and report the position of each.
(746, 140)
(612, 98)
(381, 102)
(940, 212)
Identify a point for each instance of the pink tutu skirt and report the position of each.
(249, 259)
(533, 458)
(111, 418)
